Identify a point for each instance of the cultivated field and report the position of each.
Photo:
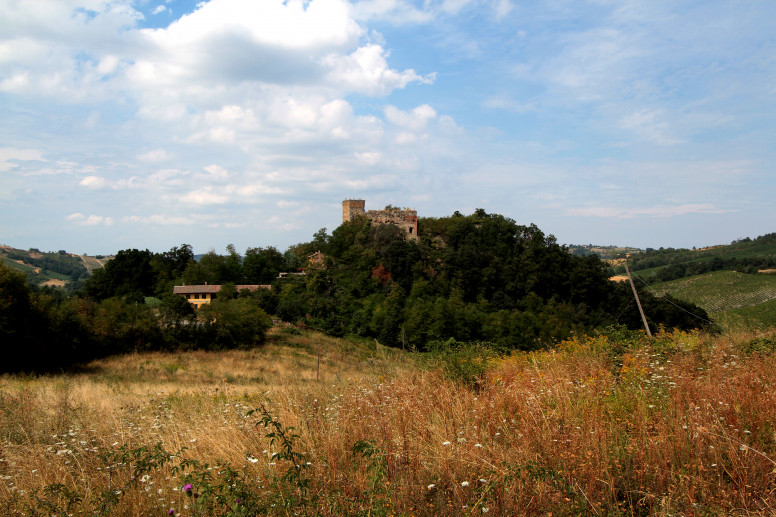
(734, 300)
(682, 425)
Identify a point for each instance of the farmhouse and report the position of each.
(198, 295)
(406, 219)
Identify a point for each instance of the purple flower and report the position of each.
(187, 488)
(171, 512)
(239, 500)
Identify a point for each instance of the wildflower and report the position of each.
(432, 485)
(445, 443)
(171, 512)
(478, 445)
(187, 488)
(464, 483)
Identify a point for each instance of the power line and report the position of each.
(662, 297)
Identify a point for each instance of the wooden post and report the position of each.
(638, 302)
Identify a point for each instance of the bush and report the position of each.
(238, 323)
(464, 362)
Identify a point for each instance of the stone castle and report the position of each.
(405, 219)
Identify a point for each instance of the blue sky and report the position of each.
(147, 124)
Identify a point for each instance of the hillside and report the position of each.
(744, 255)
(43, 267)
(311, 425)
(732, 299)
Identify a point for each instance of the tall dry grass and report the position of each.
(682, 425)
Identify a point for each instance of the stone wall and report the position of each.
(405, 219)
(352, 208)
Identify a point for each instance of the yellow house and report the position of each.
(198, 295)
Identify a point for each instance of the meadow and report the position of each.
(613, 424)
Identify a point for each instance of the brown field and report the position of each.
(683, 425)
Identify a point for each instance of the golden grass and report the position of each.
(684, 425)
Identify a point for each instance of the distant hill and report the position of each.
(734, 300)
(603, 252)
(744, 255)
(51, 268)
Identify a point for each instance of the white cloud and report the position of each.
(366, 71)
(91, 220)
(155, 156)
(93, 182)
(661, 211)
(650, 125)
(415, 120)
(8, 155)
(159, 9)
(204, 196)
(162, 219)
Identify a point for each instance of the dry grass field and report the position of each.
(682, 425)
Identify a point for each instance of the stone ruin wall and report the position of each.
(407, 219)
(352, 208)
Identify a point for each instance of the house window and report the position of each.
(410, 229)
(196, 297)
(188, 297)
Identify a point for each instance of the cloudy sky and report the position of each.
(151, 123)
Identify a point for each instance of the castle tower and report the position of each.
(352, 208)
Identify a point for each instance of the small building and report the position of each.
(198, 295)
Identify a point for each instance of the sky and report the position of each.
(153, 123)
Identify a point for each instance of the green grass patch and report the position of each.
(15, 265)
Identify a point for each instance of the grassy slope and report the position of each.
(735, 300)
(677, 426)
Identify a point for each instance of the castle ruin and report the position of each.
(405, 219)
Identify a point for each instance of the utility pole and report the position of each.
(638, 302)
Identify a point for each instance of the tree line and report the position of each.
(743, 255)
(480, 277)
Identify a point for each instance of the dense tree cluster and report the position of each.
(471, 278)
(117, 312)
(480, 277)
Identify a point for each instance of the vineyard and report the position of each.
(733, 299)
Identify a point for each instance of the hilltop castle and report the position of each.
(405, 219)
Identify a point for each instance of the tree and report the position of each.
(238, 323)
(130, 273)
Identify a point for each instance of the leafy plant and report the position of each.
(464, 362)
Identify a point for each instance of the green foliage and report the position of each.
(237, 323)
(294, 484)
(762, 345)
(377, 495)
(464, 362)
(62, 264)
(130, 274)
(743, 255)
